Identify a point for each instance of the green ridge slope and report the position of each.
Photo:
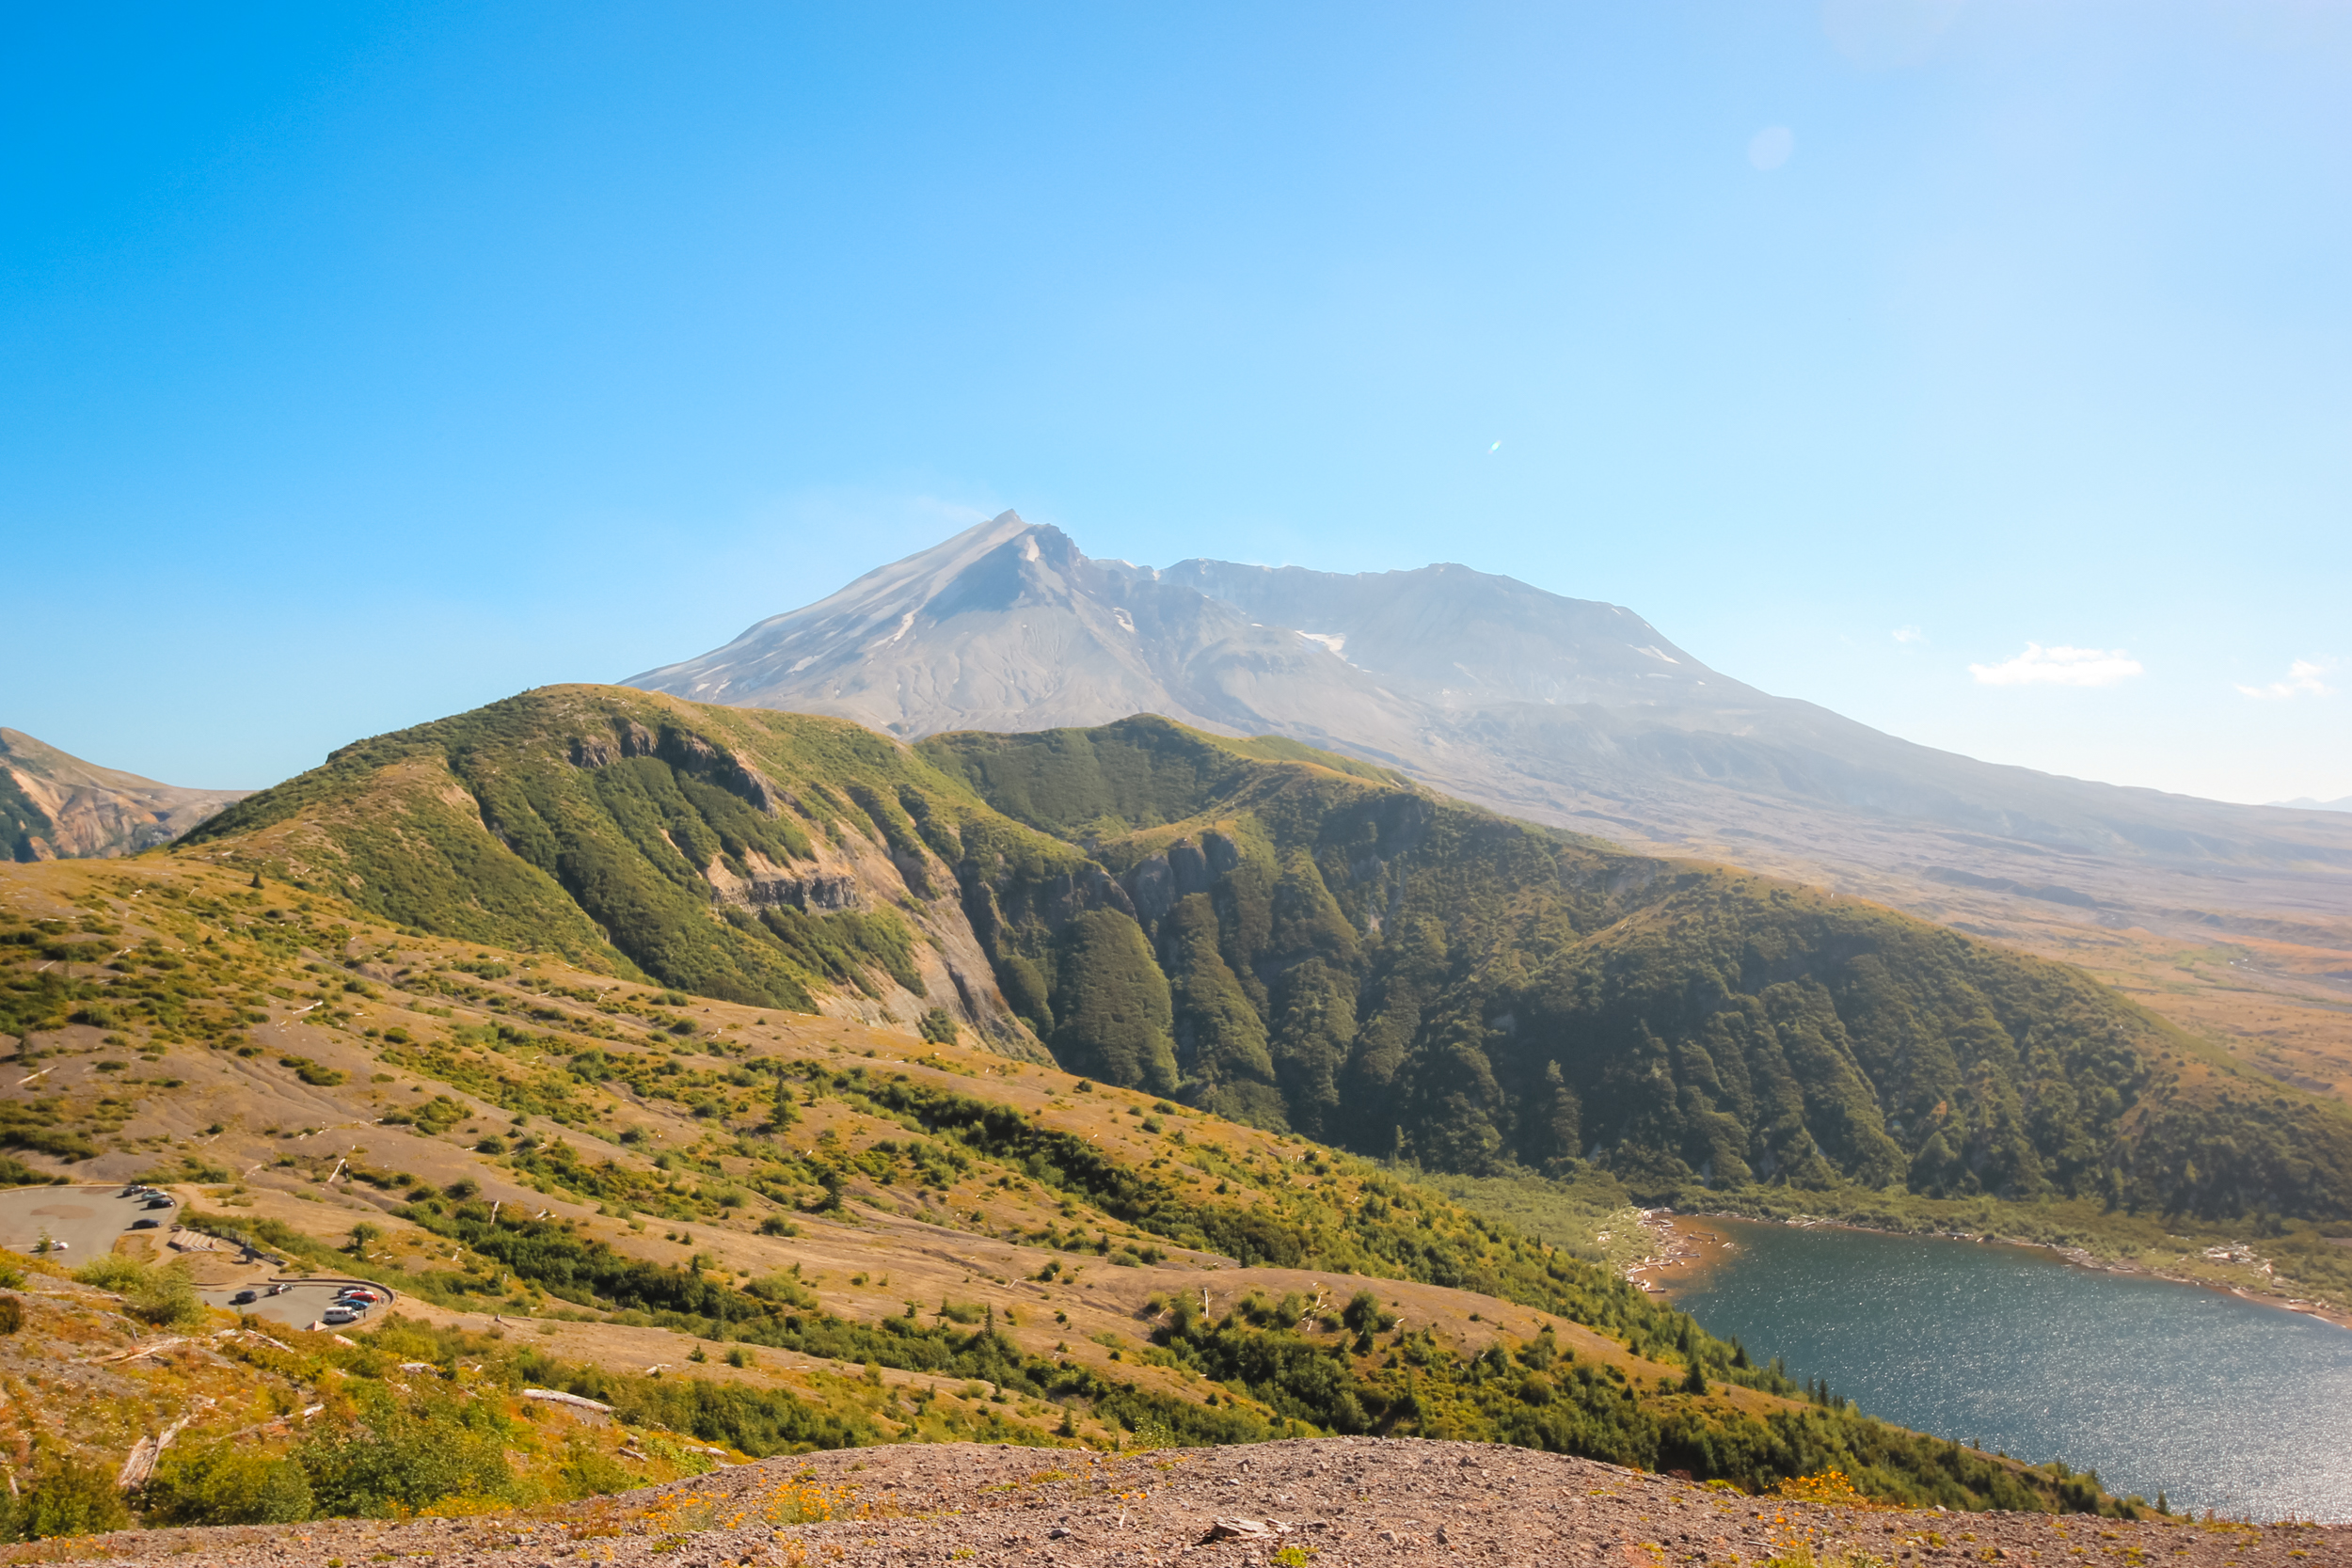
(1404, 975)
(761, 858)
(1296, 940)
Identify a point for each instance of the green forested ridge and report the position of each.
(1409, 975)
(1296, 940)
(1116, 1027)
(605, 823)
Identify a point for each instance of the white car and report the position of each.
(339, 1316)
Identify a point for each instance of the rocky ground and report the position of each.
(1335, 1501)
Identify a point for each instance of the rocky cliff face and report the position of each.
(56, 806)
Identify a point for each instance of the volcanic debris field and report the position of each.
(1333, 1500)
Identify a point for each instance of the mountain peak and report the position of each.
(1009, 626)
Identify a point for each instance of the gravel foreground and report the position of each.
(1332, 1502)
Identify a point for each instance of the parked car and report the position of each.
(277, 1289)
(339, 1314)
(242, 1298)
(158, 1202)
(142, 1225)
(359, 1292)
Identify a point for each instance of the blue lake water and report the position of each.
(2220, 1402)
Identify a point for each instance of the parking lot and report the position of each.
(85, 1221)
(303, 1303)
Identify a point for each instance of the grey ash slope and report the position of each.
(1562, 710)
(56, 806)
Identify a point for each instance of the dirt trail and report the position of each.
(1333, 1501)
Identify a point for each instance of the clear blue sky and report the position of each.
(361, 364)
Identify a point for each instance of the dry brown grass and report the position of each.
(886, 1250)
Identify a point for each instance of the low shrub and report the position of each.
(225, 1483)
(68, 1498)
(590, 1472)
(398, 1458)
(164, 1297)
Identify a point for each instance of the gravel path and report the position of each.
(1333, 1502)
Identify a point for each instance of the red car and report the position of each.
(359, 1292)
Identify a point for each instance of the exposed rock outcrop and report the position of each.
(56, 806)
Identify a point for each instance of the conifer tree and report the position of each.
(782, 1113)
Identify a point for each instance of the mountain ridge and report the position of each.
(1288, 940)
(54, 805)
(1034, 631)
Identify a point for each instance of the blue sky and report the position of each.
(1980, 371)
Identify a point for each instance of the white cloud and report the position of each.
(1909, 634)
(1772, 146)
(2302, 681)
(2059, 666)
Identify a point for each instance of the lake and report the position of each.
(2220, 1402)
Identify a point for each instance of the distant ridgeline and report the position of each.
(1292, 939)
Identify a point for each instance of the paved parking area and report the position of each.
(86, 1219)
(303, 1303)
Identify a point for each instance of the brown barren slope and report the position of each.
(1358, 1501)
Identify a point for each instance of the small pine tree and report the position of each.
(782, 1113)
(1694, 1379)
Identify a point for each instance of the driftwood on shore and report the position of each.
(1669, 1248)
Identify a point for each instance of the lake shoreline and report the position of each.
(1681, 1253)
(2191, 1392)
